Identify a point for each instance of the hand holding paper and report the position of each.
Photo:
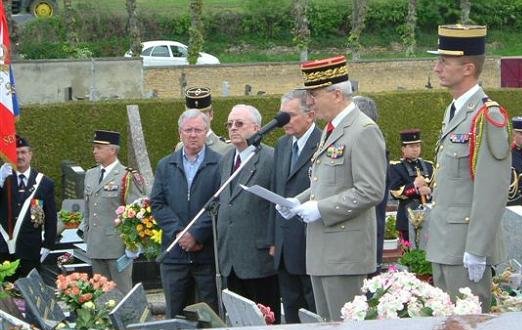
(286, 212)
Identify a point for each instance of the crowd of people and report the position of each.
(315, 250)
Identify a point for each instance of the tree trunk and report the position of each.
(301, 28)
(134, 30)
(465, 8)
(411, 24)
(359, 10)
(195, 31)
(68, 17)
(13, 28)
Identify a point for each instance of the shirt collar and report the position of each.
(109, 168)
(340, 116)
(27, 173)
(245, 153)
(199, 155)
(302, 140)
(461, 100)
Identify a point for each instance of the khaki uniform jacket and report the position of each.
(101, 201)
(347, 188)
(466, 213)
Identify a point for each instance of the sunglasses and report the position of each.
(237, 123)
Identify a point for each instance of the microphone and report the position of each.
(281, 119)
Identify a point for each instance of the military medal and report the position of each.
(459, 138)
(335, 151)
(37, 212)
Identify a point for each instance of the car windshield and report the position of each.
(160, 51)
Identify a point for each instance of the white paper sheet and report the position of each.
(269, 195)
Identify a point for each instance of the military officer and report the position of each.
(515, 189)
(107, 186)
(200, 98)
(472, 171)
(347, 182)
(409, 178)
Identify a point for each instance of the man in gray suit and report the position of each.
(347, 181)
(107, 186)
(200, 98)
(292, 156)
(243, 217)
(468, 200)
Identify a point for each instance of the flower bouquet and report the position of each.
(505, 288)
(396, 295)
(415, 260)
(139, 231)
(70, 219)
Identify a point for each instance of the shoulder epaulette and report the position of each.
(395, 162)
(370, 123)
(136, 176)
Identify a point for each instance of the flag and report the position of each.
(9, 110)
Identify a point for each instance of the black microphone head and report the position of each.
(282, 118)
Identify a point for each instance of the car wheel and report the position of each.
(43, 8)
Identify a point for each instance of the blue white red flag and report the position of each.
(9, 110)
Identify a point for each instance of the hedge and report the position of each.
(64, 131)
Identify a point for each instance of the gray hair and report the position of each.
(115, 147)
(193, 113)
(367, 106)
(345, 87)
(254, 113)
(299, 94)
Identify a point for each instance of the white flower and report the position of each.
(355, 310)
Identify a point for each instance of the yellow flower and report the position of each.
(149, 210)
(149, 224)
(111, 303)
(139, 227)
(89, 305)
(156, 236)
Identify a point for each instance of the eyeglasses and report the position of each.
(193, 130)
(237, 123)
(315, 93)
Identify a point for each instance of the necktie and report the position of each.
(21, 186)
(237, 163)
(329, 129)
(452, 111)
(101, 175)
(295, 155)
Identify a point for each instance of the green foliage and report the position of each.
(195, 32)
(390, 229)
(415, 260)
(64, 131)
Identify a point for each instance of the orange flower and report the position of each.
(85, 297)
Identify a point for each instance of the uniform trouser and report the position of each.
(178, 281)
(108, 268)
(332, 292)
(450, 278)
(296, 292)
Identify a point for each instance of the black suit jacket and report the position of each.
(29, 241)
(288, 236)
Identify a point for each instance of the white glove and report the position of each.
(131, 254)
(476, 265)
(285, 211)
(308, 211)
(5, 171)
(44, 252)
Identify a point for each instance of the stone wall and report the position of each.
(277, 78)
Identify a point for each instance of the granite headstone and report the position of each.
(133, 308)
(241, 311)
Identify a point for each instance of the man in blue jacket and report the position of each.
(184, 182)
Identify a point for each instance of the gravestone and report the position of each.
(172, 324)
(73, 176)
(41, 304)
(138, 157)
(305, 316)
(241, 311)
(133, 308)
(8, 321)
(204, 315)
(512, 232)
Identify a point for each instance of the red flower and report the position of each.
(267, 313)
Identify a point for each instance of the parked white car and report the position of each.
(168, 53)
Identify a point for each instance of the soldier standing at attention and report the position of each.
(409, 178)
(107, 186)
(472, 172)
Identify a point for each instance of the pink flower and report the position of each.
(120, 210)
(267, 313)
(131, 213)
(392, 268)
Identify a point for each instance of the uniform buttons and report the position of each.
(349, 211)
(437, 166)
(318, 162)
(315, 178)
(337, 207)
(312, 197)
(342, 226)
(331, 162)
(95, 204)
(344, 198)
(94, 214)
(434, 184)
(441, 147)
(229, 204)
(454, 154)
(433, 204)
(354, 201)
(466, 219)
(94, 225)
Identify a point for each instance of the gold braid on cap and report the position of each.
(325, 75)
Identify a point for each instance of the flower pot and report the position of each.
(391, 244)
(69, 225)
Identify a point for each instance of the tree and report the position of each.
(195, 31)
(465, 8)
(301, 29)
(68, 16)
(134, 30)
(359, 11)
(409, 33)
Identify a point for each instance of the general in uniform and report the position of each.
(409, 178)
(472, 170)
(108, 186)
(200, 98)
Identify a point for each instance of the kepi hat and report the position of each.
(198, 98)
(410, 136)
(517, 124)
(325, 72)
(461, 40)
(106, 137)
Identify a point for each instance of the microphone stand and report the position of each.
(212, 206)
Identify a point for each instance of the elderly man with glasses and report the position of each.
(347, 182)
(184, 181)
(243, 245)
